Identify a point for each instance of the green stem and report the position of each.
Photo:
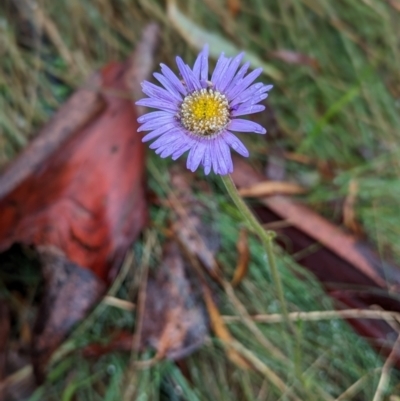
(265, 236)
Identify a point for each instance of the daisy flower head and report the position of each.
(198, 114)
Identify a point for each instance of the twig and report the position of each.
(263, 368)
(119, 303)
(355, 387)
(385, 375)
(321, 315)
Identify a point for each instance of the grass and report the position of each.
(343, 114)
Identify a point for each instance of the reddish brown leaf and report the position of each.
(78, 189)
(87, 197)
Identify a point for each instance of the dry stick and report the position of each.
(355, 387)
(322, 315)
(16, 378)
(385, 375)
(119, 303)
(263, 368)
(248, 321)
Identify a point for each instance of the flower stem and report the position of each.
(265, 236)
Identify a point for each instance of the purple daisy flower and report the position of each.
(198, 114)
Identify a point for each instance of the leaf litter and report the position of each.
(293, 120)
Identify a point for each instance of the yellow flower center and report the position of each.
(205, 112)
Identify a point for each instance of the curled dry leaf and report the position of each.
(242, 266)
(79, 189)
(76, 197)
(266, 188)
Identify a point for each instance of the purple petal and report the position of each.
(225, 159)
(258, 98)
(187, 74)
(160, 131)
(231, 71)
(176, 83)
(196, 155)
(245, 109)
(156, 123)
(254, 94)
(243, 84)
(246, 126)
(166, 139)
(189, 142)
(200, 68)
(157, 104)
(155, 91)
(168, 150)
(235, 143)
(168, 85)
(153, 115)
(207, 159)
(250, 91)
(221, 66)
(214, 151)
(238, 77)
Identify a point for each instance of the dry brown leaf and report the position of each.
(349, 215)
(266, 188)
(220, 330)
(174, 321)
(242, 266)
(234, 7)
(77, 194)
